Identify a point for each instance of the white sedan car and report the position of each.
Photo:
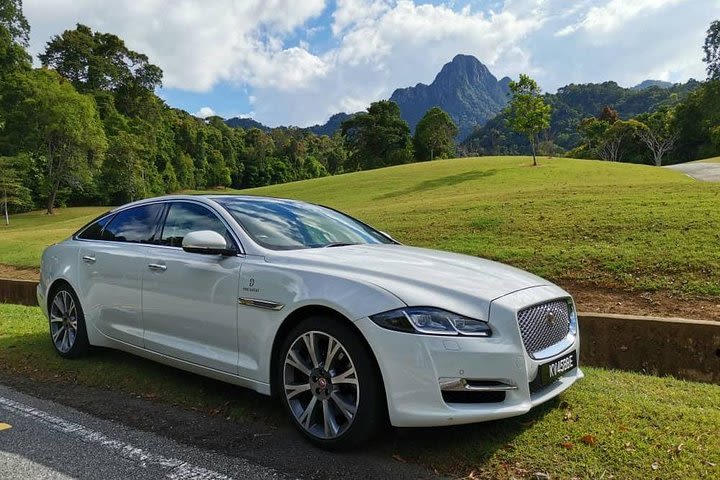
(348, 327)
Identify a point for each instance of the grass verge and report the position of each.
(612, 424)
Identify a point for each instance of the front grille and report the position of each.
(544, 325)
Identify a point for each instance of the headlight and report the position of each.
(573, 318)
(433, 321)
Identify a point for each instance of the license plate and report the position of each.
(550, 371)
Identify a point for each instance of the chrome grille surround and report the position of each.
(545, 324)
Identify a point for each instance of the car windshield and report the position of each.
(289, 225)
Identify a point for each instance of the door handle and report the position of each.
(88, 258)
(157, 267)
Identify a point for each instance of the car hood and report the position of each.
(418, 276)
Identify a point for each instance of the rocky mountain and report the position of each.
(652, 83)
(464, 88)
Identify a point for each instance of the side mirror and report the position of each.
(207, 242)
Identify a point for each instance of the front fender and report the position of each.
(295, 289)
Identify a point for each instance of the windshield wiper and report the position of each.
(339, 244)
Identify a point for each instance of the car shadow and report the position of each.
(447, 181)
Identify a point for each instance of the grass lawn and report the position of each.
(610, 425)
(613, 224)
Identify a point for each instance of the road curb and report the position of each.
(683, 348)
(20, 292)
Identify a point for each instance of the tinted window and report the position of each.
(95, 229)
(183, 218)
(286, 224)
(135, 225)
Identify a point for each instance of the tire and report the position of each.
(347, 408)
(68, 333)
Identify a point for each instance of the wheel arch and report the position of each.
(301, 314)
(53, 287)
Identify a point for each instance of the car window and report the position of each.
(134, 225)
(285, 224)
(186, 217)
(94, 230)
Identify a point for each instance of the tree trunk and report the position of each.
(432, 154)
(532, 147)
(51, 197)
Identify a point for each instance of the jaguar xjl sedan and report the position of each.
(344, 324)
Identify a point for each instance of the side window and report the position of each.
(94, 231)
(134, 225)
(185, 217)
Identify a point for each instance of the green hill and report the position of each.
(620, 225)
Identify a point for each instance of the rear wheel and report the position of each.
(67, 323)
(329, 384)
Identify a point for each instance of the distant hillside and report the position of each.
(333, 124)
(464, 88)
(570, 105)
(652, 83)
(245, 123)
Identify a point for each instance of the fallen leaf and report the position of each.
(588, 440)
(567, 445)
(568, 416)
(400, 459)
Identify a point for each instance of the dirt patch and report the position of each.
(593, 298)
(19, 273)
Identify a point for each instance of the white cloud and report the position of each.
(197, 43)
(602, 20)
(294, 70)
(205, 112)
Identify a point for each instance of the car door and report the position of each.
(190, 300)
(111, 262)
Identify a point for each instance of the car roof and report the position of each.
(250, 198)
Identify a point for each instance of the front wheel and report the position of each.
(67, 323)
(329, 384)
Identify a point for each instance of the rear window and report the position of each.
(94, 230)
(134, 225)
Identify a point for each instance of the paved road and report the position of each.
(706, 172)
(40, 439)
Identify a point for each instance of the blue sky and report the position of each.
(298, 62)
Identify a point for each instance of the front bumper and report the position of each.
(411, 366)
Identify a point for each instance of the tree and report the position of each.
(95, 61)
(47, 117)
(528, 113)
(609, 115)
(379, 137)
(13, 192)
(14, 38)
(615, 136)
(657, 131)
(435, 135)
(712, 50)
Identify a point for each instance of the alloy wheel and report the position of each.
(321, 385)
(63, 321)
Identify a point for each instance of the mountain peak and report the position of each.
(464, 88)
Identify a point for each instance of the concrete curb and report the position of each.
(21, 292)
(688, 349)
